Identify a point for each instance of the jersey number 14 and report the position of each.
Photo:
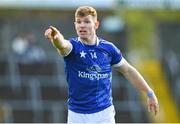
(93, 55)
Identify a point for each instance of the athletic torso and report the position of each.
(89, 75)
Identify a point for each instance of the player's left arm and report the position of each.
(133, 76)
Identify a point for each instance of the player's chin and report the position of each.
(83, 36)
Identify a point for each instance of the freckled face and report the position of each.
(86, 26)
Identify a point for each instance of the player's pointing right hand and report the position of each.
(53, 34)
(58, 41)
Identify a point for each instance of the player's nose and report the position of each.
(82, 24)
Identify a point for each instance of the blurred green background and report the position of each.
(32, 81)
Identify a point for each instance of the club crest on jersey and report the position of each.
(94, 68)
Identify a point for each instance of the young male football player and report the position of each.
(88, 65)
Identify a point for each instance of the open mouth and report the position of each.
(82, 31)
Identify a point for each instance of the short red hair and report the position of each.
(84, 11)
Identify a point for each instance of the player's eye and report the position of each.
(87, 21)
(78, 22)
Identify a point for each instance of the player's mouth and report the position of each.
(82, 32)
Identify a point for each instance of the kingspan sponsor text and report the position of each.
(93, 76)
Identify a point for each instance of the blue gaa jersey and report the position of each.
(89, 75)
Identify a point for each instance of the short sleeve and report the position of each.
(73, 42)
(116, 55)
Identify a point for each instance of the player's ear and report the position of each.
(97, 24)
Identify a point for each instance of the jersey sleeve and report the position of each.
(116, 56)
(72, 41)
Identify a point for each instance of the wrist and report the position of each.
(150, 94)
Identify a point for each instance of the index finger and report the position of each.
(53, 28)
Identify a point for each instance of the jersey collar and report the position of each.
(97, 41)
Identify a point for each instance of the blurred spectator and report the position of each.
(5, 109)
(26, 50)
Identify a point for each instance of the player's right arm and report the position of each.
(57, 39)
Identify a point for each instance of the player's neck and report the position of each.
(89, 41)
